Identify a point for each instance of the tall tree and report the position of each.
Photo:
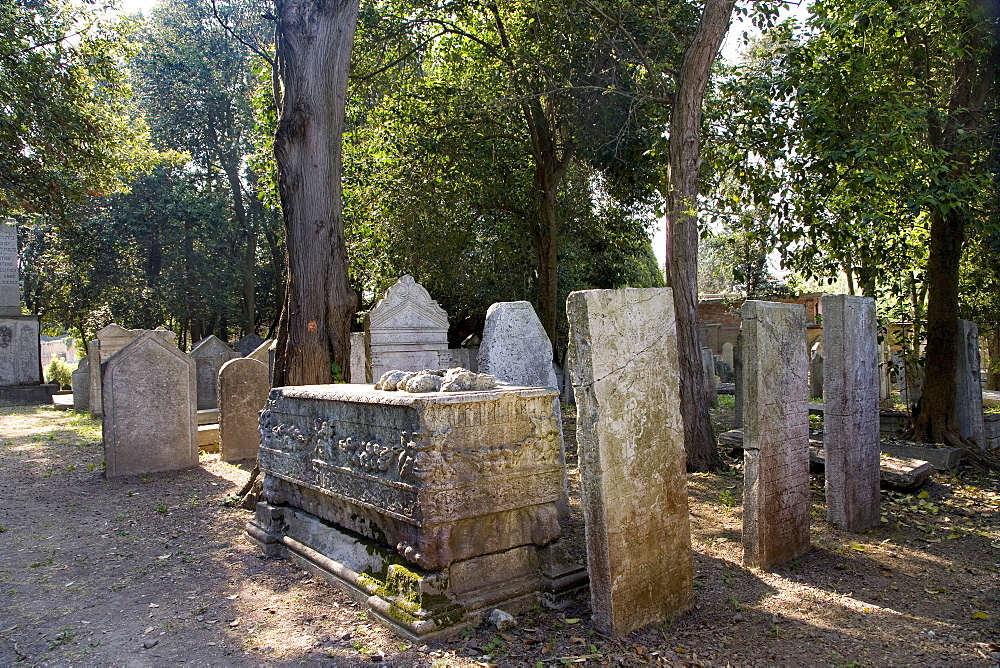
(314, 40)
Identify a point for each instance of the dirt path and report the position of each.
(157, 570)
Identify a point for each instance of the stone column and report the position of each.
(775, 434)
(359, 363)
(850, 415)
(969, 385)
(623, 364)
(738, 381)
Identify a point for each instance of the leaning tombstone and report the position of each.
(775, 433)
(624, 368)
(850, 412)
(81, 385)
(149, 408)
(515, 348)
(406, 331)
(969, 385)
(210, 354)
(243, 388)
(247, 344)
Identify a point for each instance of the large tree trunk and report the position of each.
(682, 229)
(314, 40)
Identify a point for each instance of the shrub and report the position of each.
(59, 372)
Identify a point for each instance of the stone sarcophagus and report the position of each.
(433, 508)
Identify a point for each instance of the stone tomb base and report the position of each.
(432, 508)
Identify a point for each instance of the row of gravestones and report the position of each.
(625, 371)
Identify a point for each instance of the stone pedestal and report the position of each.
(776, 433)
(623, 363)
(431, 508)
(850, 412)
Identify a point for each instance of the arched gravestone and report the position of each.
(210, 354)
(248, 344)
(149, 408)
(515, 347)
(407, 330)
(81, 385)
(243, 388)
(111, 339)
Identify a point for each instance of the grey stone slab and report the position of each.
(941, 458)
(358, 364)
(851, 412)
(816, 376)
(149, 408)
(515, 347)
(19, 351)
(264, 353)
(81, 385)
(969, 385)
(243, 388)
(247, 344)
(738, 381)
(623, 364)
(708, 366)
(10, 286)
(110, 339)
(776, 431)
(406, 330)
(728, 354)
(210, 354)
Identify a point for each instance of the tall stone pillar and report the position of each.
(850, 414)
(623, 363)
(775, 433)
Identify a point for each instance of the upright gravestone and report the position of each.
(111, 339)
(210, 354)
(515, 347)
(884, 376)
(264, 353)
(149, 408)
(708, 365)
(727, 354)
(243, 388)
(775, 433)
(816, 376)
(624, 368)
(969, 385)
(358, 366)
(247, 344)
(850, 412)
(406, 330)
(20, 356)
(81, 385)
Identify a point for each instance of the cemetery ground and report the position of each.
(157, 570)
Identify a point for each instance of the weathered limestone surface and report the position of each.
(149, 408)
(969, 385)
(434, 506)
(850, 414)
(358, 365)
(19, 353)
(110, 340)
(727, 354)
(81, 385)
(515, 347)
(708, 365)
(210, 354)
(247, 344)
(623, 364)
(406, 330)
(776, 430)
(243, 388)
(816, 375)
(10, 287)
(738, 381)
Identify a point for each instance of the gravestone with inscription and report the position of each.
(775, 433)
(243, 388)
(20, 354)
(407, 330)
(624, 367)
(149, 409)
(850, 412)
(210, 354)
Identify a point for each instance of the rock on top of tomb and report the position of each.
(437, 380)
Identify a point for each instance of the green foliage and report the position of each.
(58, 371)
(68, 129)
